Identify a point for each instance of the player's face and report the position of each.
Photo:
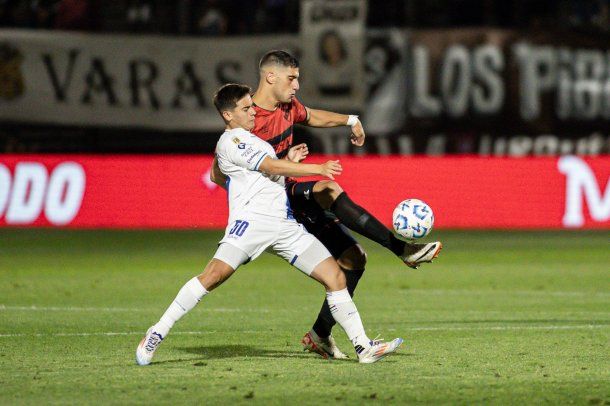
(243, 114)
(286, 84)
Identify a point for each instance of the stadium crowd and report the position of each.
(239, 17)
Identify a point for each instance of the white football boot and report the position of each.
(325, 347)
(416, 254)
(147, 347)
(378, 350)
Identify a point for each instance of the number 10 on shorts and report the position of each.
(239, 228)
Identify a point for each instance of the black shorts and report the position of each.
(321, 223)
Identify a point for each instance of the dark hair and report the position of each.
(227, 96)
(281, 58)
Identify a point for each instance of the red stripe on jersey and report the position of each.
(275, 126)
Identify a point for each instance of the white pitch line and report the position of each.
(112, 334)
(116, 309)
(35, 308)
(68, 309)
(505, 328)
(437, 292)
(450, 328)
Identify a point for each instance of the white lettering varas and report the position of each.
(103, 85)
(582, 185)
(32, 190)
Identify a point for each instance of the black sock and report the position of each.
(325, 321)
(362, 222)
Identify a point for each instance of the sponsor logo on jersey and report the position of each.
(254, 156)
(247, 151)
(236, 140)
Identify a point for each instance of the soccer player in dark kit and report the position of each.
(323, 207)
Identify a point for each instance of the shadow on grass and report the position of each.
(215, 352)
(239, 351)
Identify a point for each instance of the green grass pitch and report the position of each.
(500, 317)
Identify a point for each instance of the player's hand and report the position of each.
(357, 136)
(331, 168)
(298, 153)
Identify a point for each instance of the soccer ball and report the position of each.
(413, 219)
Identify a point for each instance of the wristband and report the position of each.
(352, 120)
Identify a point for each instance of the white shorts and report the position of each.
(286, 238)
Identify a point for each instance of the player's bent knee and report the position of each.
(333, 189)
(353, 258)
(326, 192)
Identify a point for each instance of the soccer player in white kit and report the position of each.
(260, 218)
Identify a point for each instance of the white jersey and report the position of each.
(259, 214)
(239, 154)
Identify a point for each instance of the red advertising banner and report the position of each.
(137, 191)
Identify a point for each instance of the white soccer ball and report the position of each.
(413, 219)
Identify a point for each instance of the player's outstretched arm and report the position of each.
(217, 176)
(325, 119)
(283, 167)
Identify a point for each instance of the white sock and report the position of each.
(187, 298)
(344, 311)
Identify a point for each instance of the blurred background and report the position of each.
(495, 113)
(442, 79)
(445, 76)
